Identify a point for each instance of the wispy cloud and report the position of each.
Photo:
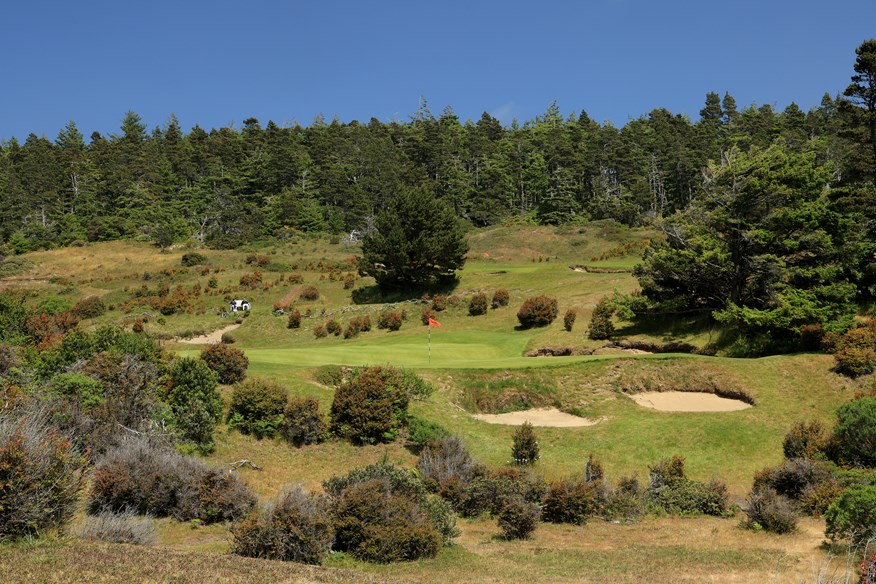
(503, 112)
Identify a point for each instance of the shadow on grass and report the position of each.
(374, 294)
(671, 327)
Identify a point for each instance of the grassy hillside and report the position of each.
(478, 366)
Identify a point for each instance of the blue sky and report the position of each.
(219, 62)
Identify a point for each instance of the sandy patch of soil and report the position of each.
(619, 351)
(549, 417)
(687, 401)
(211, 338)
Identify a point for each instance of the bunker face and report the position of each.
(688, 401)
(210, 339)
(545, 417)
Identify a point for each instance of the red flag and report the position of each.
(433, 322)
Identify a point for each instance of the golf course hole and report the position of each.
(544, 417)
(688, 401)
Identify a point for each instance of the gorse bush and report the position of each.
(569, 319)
(158, 481)
(854, 436)
(302, 423)
(537, 311)
(524, 448)
(295, 527)
(90, 307)
(478, 304)
(805, 440)
(193, 259)
(770, 511)
(518, 519)
(500, 298)
(257, 407)
(390, 320)
(123, 527)
(228, 362)
(41, 474)
(371, 406)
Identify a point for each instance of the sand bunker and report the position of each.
(212, 338)
(687, 401)
(548, 417)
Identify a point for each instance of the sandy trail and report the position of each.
(211, 338)
(546, 417)
(687, 401)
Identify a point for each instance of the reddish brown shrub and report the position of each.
(228, 362)
(537, 311)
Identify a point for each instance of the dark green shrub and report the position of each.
(257, 407)
(41, 474)
(770, 511)
(569, 319)
(488, 493)
(625, 501)
(375, 524)
(150, 480)
(805, 440)
(371, 406)
(524, 447)
(416, 387)
(228, 338)
(90, 307)
(228, 362)
(302, 423)
(294, 321)
(390, 320)
(193, 259)
(195, 401)
(478, 304)
(537, 311)
(421, 432)
(854, 435)
(601, 326)
(309, 293)
(853, 515)
(296, 527)
(670, 491)
(500, 298)
(518, 519)
(572, 501)
(810, 337)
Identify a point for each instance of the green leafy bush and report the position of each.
(41, 474)
(670, 491)
(537, 311)
(195, 401)
(489, 492)
(371, 406)
(296, 527)
(228, 362)
(90, 307)
(601, 326)
(421, 432)
(478, 304)
(854, 436)
(500, 298)
(302, 423)
(853, 515)
(518, 519)
(257, 407)
(770, 511)
(524, 447)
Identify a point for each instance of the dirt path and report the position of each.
(547, 417)
(687, 401)
(211, 338)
